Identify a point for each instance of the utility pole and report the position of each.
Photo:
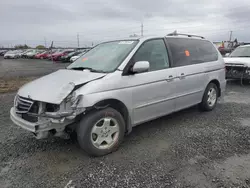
(78, 40)
(45, 42)
(230, 37)
(142, 29)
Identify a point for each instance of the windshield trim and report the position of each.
(126, 55)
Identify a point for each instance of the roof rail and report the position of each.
(188, 35)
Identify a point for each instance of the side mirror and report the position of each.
(140, 66)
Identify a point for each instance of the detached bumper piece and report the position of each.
(237, 72)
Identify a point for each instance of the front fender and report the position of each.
(124, 96)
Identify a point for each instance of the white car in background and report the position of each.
(13, 54)
(238, 63)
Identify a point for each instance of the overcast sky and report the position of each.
(33, 21)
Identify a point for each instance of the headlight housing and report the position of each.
(73, 99)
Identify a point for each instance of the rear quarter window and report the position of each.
(191, 51)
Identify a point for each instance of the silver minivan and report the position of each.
(118, 85)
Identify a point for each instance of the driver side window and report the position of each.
(155, 52)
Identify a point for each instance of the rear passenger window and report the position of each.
(191, 51)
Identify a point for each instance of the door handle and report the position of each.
(182, 76)
(170, 78)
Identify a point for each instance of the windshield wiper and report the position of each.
(88, 68)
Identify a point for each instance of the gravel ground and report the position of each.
(16, 72)
(185, 149)
(11, 68)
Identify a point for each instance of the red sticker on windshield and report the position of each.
(187, 53)
(84, 59)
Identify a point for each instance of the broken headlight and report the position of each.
(73, 99)
(51, 107)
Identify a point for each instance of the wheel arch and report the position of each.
(217, 83)
(119, 106)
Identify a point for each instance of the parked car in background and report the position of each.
(2, 52)
(54, 52)
(31, 54)
(21, 52)
(13, 54)
(48, 54)
(118, 85)
(57, 56)
(238, 63)
(24, 55)
(66, 58)
(42, 55)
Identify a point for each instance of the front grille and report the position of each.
(237, 71)
(23, 105)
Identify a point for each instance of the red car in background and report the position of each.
(42, 55)
(46, 55)
(57, 56)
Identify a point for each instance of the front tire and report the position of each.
(210, 97)
(101, 132)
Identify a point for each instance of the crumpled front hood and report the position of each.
(238, 60)
(55, 87)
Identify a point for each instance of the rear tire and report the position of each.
(210, 97)
(101, 132)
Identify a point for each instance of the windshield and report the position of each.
(241, 52)
(105, 57)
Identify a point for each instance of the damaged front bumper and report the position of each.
(234, 71)
(56, 121)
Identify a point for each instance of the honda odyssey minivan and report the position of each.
(118, 85)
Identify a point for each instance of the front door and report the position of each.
(152, 91)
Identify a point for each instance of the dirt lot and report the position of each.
(12, 68)
(14, 73)
(185, 149)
